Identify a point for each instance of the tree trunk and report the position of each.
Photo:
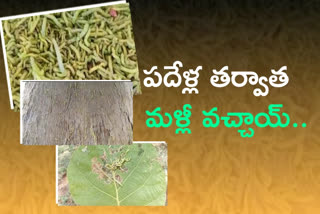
(76, 112)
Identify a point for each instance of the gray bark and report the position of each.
(76, 112)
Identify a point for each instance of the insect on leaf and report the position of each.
(117, 176)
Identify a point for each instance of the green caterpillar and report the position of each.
(91, 44)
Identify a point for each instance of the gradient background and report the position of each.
(211, 170)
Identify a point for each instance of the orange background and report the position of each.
(211, 170)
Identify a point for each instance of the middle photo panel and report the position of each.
(76, 112)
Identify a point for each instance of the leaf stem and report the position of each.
(115, 186)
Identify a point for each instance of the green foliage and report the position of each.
(117, 175)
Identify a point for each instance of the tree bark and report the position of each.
(76, 112)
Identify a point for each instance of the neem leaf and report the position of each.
(117, 176)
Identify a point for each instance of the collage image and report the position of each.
(160, 107)
(73, 75)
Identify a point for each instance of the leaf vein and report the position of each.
(132, 170)
(136, 189)
(153, 200)
(96, 186)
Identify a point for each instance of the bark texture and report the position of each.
(77, 113)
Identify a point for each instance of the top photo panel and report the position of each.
(94, 43)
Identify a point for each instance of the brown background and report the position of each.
(211, 170)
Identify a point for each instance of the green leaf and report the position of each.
(117, 176)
